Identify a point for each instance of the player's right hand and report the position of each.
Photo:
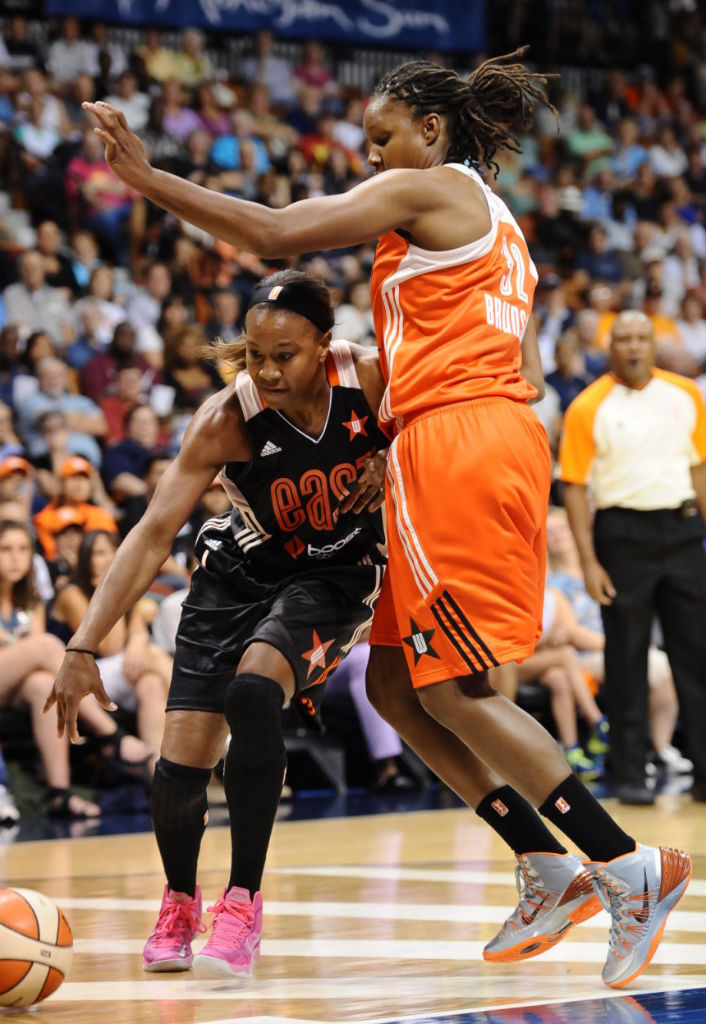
(77, 678)
(124, 152)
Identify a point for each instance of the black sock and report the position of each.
(253, 773)
(573, 809)
(516, 821)
(179, 807)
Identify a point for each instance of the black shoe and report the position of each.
(631, 793)
(397, 783)
(698, 791)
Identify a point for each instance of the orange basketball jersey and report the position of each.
(449, 323)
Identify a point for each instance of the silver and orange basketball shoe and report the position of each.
(555, 893)
(638, 890)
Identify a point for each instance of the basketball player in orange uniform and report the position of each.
(468, 479)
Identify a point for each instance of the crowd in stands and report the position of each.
(107, 303)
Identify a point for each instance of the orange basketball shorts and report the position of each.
(466, 497)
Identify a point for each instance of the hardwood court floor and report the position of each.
(378, 918)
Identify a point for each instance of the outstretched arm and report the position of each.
(212, 439)
(393, 200)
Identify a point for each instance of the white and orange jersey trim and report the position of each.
(635, 447)
(450, 323)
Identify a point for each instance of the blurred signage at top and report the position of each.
(416, 24)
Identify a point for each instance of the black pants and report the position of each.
(657, 563)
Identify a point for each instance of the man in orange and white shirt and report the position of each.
(636, 438)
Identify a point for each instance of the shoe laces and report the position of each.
(232, 920)
(532, 899)
(630, 914)
(177, 921)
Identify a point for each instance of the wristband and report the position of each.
(80, 650)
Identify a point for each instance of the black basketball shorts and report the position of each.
(312, 618)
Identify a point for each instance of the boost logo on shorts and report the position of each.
(420, 641)
(326, 550)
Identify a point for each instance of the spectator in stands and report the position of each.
(27, 657)
(692, 330)
(124, 463)
(212, 115)
(225, 323)
(383, 744)
(145, 304)
(164, 147)
(69, 55)
(226, 151)
(135, 671)
(92, 328)
(9, 441)
(101, 202)
(187, 370)
(179, 119)
(85, 419)
(599, 262)
(74, 502)
(100, 296)
(39, 345)
(23, 51)
(57, 265)
(84, 257)
(628, 154)
(313, 72)
(17, 483)
(9, 370)
(126, 394)
(33, 305)
(53, 427)
(104, 54)
(570, 376)
(555, 664)
(644, 556)
(354, 316)
(264, 68)
(666, 156)
(589, 143)
(191, 64)
(157, 60)
(127, 97)
(98, 375)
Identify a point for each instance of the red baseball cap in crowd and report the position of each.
(14, 464)
(76, 466)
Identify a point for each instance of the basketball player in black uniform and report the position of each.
(285, 586)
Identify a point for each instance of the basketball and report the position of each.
(36, 947)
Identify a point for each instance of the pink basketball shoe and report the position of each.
(169, 946)
(234, 944)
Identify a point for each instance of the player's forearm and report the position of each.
(698, 478)
(578, 512)
(242, 223)
(134, 567)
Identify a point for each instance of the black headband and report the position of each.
(290, 297)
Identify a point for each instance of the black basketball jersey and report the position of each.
(284, 499)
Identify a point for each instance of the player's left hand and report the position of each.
(368, 492)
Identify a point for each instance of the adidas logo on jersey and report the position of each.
(270, 448)
(212, 543)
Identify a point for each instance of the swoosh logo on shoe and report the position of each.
(537, 909)
(644, 914)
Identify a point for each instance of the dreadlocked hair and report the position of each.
(484, 114)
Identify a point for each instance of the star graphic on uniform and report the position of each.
(420, 641)
(356, 425)
(294, 547)
(317, 655)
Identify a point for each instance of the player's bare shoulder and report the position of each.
(367, 368)
(218, 426)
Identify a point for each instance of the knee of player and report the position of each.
(253, 710)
